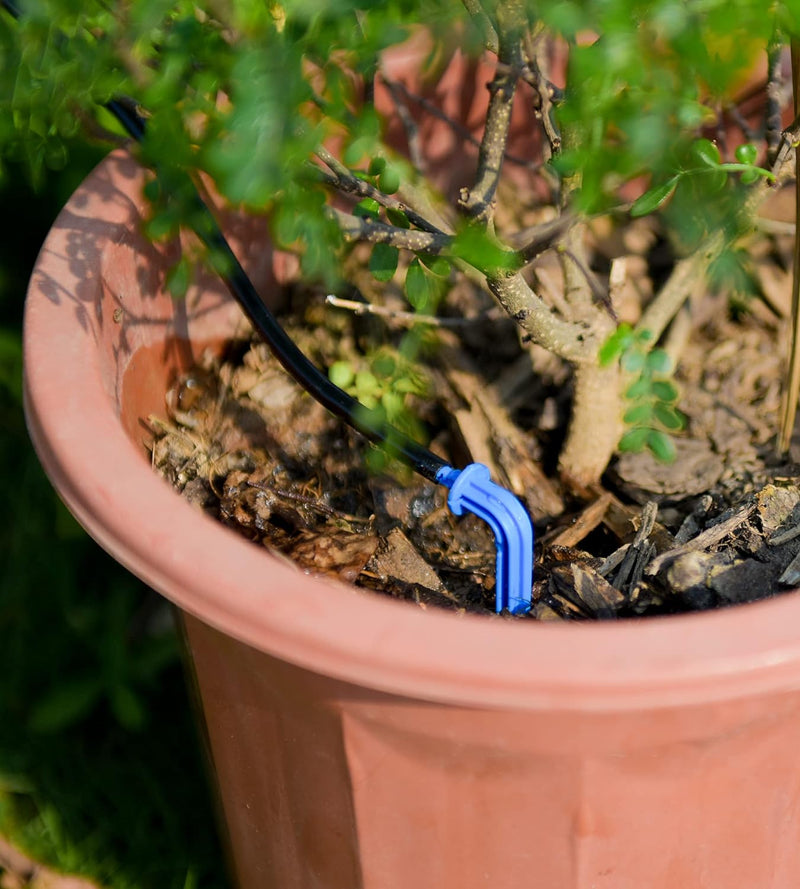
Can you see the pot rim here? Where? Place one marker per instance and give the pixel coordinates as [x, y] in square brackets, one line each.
[329, 627]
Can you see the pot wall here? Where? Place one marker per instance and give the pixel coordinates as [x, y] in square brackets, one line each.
[360, 743]
[333, 785]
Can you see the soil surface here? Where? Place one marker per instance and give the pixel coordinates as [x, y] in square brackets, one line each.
[717, 527]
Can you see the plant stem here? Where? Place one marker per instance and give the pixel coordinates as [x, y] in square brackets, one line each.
[572, 341]
[361, 228]
[477, 203]
[595, 424]
[792, 387]
[688, 275]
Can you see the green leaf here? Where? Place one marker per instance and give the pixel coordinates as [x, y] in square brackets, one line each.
[384, 364]
[661, 446]
[659, 362]
[368, 207]
[654, 198]
[748, 177]
[634, 440]
[341, 374]
[747, 153]
[619, 341]
[640, 388]
[664, 390]
[356, 150]
[398, 218]
[366, 386]
[714, 179]
[393, 404]
[179, 277]
[67, 704]
[436, 264]
[383, 261]
[638, 414]
[422, 290]
[668, 416]
[376, 166]
[477, 247]
[127, 707]
[162, 225]
[705, 152]
[633, 361]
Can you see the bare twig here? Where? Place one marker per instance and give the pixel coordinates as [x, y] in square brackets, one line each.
[407, 120]
[457, 127]
[407, 318]
[532, 242]
[483, 23]
[477, 202]
[688, 275]
[705, 539]
[598, 292]
[792, 387]
[773, 109]
[359, 228]
[535, 75]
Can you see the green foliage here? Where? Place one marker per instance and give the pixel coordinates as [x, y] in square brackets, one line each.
[385, 382]
[383, 261]
[87, 796]
[704, 173]
[477, 247]
[647, 84]
[651, 414]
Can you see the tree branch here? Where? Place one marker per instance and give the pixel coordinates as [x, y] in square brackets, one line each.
[407, 318]
[687, 276]
[456, 126]
[569, 340]
[535, 75]
[346, 182]
[409, 124]
[483, 23]
[361, 228]
[477, 202]
[774, 103]
[532, 242]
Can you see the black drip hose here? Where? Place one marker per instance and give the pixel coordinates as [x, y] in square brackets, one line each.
[368, 422]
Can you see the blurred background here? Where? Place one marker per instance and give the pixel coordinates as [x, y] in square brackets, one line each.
[101, 769]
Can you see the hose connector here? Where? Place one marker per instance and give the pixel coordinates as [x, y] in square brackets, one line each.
[472, 490]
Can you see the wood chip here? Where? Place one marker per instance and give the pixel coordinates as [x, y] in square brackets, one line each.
[601, 597]
[397, 558]
[584, 523]
[791, 574]
[705, 539]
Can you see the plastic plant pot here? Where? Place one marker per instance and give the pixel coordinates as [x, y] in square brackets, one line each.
[358, 742]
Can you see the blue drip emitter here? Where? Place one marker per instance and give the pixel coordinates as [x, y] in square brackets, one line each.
[472, 490]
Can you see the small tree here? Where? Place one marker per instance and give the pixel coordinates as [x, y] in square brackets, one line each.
[254, 94]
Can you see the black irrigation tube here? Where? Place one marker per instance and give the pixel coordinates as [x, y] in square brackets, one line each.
[369, 422]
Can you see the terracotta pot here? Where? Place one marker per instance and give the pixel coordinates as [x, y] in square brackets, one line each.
[361, 743]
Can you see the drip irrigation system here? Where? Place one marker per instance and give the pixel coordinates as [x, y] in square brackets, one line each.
[469, 490]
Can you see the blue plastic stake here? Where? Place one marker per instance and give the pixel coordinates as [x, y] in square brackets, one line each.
[472, 490]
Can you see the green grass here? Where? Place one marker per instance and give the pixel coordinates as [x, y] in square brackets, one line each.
[100, 767]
